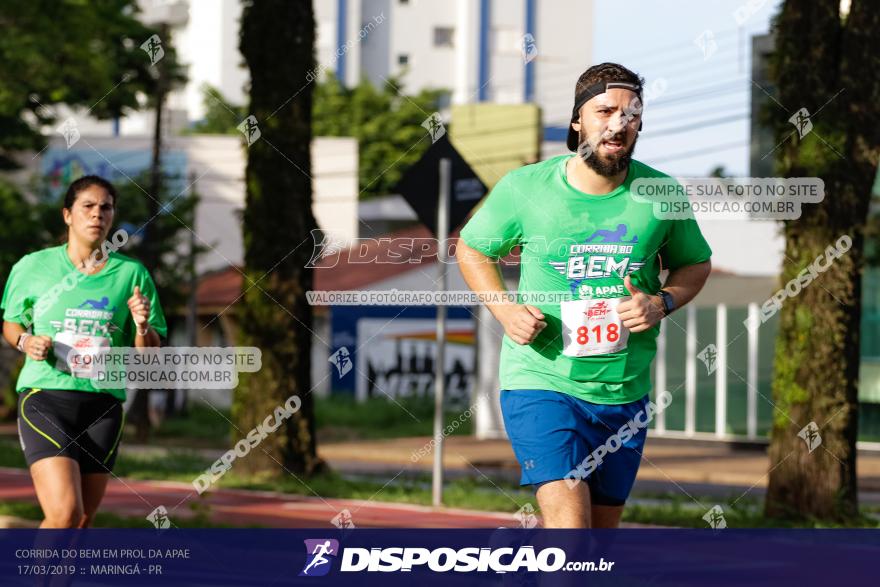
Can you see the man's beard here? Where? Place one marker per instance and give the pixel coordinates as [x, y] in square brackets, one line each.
[605, 166]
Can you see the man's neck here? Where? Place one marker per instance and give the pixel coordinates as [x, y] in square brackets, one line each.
[585, 179]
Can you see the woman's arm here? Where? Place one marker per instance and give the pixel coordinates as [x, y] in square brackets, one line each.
[36, 346]
[11, 332]
[145, 335]
[150, 339]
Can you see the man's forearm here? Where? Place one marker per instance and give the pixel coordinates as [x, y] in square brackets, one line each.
[483, 275]
[686, 282]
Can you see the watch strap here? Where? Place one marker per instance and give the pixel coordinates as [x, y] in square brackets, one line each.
[668, 302]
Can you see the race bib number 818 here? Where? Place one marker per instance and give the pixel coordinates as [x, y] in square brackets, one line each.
[592, 327]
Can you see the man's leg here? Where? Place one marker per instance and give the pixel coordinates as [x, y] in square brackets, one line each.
[611, 482]
[563, 506]
[543, 428]
[606, 516]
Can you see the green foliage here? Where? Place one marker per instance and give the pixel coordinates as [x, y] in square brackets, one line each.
[221, 116]
[342, 418]
[385, 121]
[80, 54]
[23, 231]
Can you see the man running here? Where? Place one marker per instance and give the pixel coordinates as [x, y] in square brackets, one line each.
[575, 370]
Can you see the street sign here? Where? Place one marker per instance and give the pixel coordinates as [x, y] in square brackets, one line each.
[419, 185]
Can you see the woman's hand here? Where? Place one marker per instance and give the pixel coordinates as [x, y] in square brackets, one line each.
[139, 306]
[37, 347]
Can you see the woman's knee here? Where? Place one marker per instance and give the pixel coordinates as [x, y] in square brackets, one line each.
[64, 516]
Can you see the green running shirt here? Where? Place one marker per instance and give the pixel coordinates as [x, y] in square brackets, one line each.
[580, 247]
[75, 310]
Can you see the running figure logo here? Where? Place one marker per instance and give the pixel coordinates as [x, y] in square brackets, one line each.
[250, 128]
[434, 125]
[715, 518]
[69, 130]
[97, 304]
[611, 236]
[810, 435]
[709, 355]
[801, 121]
[317, 561]
[341, 359]
[159, 518]
[153, 48]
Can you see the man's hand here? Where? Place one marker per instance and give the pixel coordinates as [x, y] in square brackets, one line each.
[642, 311]
[139, 306]
[37, 347]
[522, 323]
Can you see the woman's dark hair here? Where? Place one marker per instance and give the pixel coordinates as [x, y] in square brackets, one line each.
[84, 183]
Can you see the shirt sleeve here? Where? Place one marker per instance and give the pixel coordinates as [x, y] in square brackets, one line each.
[684, 245]
[148, 290]
[17, 303]
[495, 228]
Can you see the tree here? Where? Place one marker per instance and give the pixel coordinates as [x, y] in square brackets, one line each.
[221, 116]
[16, 240]
[78, 54]
[821, 63]
[276, 41]
[385, 121]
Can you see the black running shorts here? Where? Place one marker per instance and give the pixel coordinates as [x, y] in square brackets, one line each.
[84, 426]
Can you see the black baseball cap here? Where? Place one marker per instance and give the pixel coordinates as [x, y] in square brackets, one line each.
[585, 94]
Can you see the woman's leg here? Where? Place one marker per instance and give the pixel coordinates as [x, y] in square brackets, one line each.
[93, 487]
[57, 483]
[103, 419]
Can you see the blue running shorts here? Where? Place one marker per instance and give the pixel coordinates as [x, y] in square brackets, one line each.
[557, 436]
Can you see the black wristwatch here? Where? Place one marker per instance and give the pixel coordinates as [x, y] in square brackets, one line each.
[668, 302]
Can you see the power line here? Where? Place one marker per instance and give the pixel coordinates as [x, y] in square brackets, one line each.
[678, 46]
[551, 84]
[696, 126]
[699, 152]
[670, 116]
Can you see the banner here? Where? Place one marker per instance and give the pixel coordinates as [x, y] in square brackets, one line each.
[437, 557]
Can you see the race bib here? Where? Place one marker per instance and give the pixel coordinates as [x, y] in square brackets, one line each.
[592, 327]
[80, 354]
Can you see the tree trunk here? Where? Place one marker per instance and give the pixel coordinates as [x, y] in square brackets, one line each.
[277, 39]
[139, 412]
[816, 368]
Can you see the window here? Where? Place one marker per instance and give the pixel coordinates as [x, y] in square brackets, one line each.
[444, 36]
[403, 59]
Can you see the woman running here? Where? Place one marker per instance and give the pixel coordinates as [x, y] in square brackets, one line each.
[62, 305]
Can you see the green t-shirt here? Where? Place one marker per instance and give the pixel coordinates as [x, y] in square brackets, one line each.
[76, 311]
[580, 247]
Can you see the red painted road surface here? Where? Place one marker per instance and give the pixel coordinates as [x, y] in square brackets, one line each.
[127, 497]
